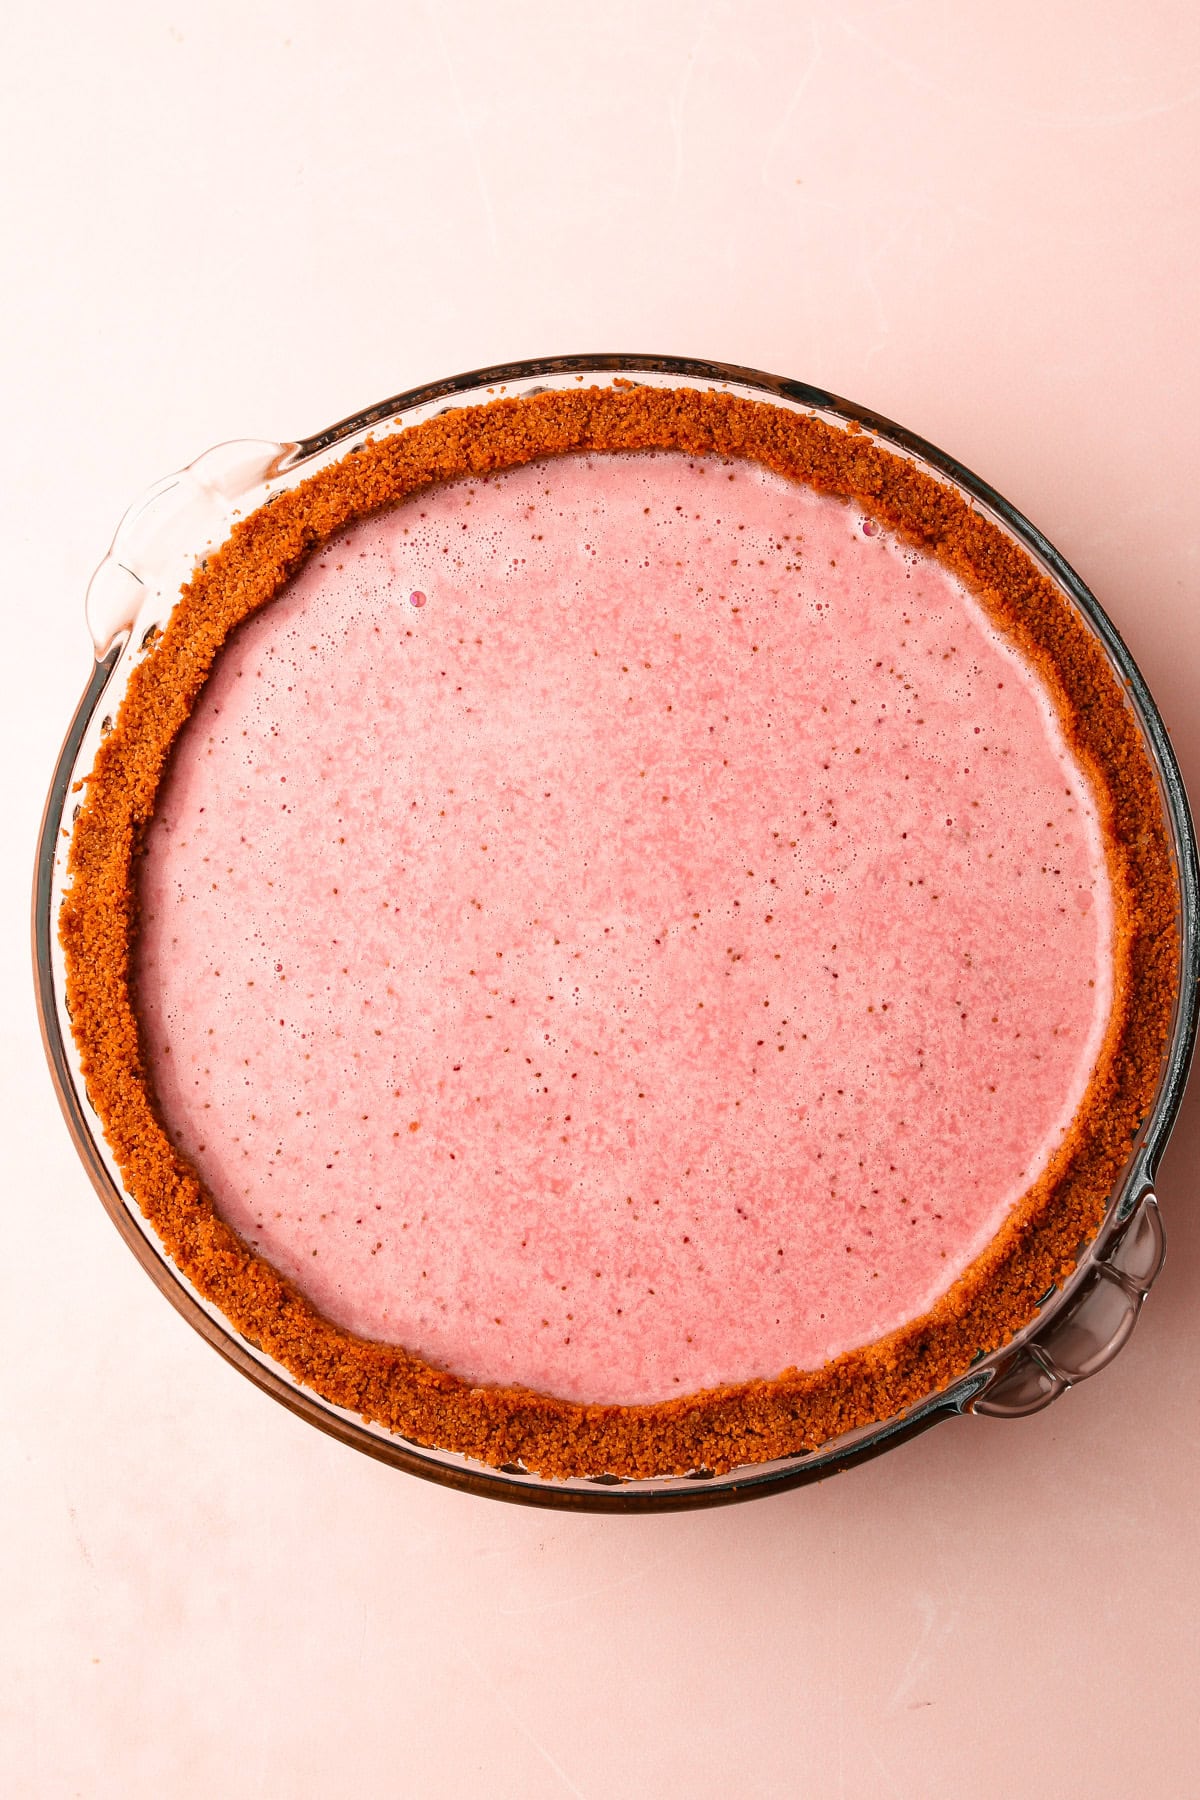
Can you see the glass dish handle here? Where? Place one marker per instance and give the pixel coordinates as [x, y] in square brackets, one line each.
[158, 540]
[1096, 1323]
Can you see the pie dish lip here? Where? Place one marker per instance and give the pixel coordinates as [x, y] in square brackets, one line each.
[294, 462]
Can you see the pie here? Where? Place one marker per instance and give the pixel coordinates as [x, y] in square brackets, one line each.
[622, 931]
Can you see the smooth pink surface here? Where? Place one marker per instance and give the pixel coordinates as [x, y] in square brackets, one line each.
[232, 220]
[622, 927]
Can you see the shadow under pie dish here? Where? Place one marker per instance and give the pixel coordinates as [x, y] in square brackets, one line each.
[623, 924]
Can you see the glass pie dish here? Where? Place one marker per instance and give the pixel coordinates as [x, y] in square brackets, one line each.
[1078, 1326]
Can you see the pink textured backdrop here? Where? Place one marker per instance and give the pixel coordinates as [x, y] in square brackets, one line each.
[223, 221]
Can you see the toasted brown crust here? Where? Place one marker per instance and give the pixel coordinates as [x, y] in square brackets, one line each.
[723, 1427]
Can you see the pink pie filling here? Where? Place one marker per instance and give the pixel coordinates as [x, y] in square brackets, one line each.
[622, 927]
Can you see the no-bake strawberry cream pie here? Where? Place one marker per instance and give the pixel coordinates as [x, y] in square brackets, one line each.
[621, 931]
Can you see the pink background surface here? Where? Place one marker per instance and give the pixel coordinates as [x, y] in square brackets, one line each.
[978, 220]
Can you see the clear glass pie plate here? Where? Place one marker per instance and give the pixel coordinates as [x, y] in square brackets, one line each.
[1079, 1326]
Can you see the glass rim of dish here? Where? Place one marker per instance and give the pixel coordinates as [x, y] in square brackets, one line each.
[1078, 1326]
